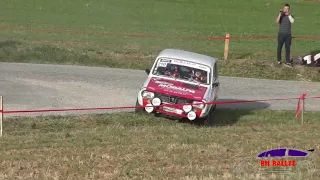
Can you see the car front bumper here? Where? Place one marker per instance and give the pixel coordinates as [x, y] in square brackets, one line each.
[173, 110]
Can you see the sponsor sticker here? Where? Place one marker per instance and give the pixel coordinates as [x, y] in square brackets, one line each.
[203, 67]
[190, 64]
[162, 82]
[162, 64]
[165, 60]
[183, 62]
[176, 88]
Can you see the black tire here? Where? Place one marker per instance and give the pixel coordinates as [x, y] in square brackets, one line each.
[209, 119]
[214, 107]
[138, 110]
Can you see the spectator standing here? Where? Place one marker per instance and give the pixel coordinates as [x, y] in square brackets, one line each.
[284, 19]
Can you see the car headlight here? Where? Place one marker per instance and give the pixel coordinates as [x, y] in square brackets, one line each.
[156, 102]
[147, 94]
[187, 108]
[197, 104]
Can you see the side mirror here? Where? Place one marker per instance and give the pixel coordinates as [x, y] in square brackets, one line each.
[147, 71]
[215, 84]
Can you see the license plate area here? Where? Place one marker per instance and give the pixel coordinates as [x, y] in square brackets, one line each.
[171, 109]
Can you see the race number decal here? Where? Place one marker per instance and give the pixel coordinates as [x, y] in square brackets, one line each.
[162, 64]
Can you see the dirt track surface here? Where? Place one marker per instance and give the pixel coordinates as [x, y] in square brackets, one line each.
[35, 86]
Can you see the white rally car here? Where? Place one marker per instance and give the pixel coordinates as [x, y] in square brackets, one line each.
[179, 84]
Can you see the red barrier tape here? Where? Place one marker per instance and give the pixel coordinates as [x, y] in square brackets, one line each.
[148, 35]
[60, 110]
[127, 107]
[303, 96]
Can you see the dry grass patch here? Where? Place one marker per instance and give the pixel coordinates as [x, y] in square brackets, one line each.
[127, 146]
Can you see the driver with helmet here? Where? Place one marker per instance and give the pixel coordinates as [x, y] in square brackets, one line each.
[198, 75]
[172, 71]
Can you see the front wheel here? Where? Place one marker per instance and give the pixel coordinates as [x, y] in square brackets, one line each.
[209, 119]
[138, 110]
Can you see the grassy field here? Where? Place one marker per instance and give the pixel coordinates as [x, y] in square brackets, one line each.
[127, 146]
[90, 33]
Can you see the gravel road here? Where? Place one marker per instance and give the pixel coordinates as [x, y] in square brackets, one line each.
[37, 86]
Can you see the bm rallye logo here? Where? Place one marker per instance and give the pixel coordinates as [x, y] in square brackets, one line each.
[281, 153]
[280, 162]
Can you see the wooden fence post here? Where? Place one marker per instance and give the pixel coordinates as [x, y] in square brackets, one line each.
[302, 112]
[226, 46]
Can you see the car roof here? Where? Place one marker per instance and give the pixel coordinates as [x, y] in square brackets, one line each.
[188, 56]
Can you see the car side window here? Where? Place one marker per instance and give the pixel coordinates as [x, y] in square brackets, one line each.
[215, 73]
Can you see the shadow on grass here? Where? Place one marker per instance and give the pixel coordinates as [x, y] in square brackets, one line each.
[243, 56]
[229, 114]
[8, 43]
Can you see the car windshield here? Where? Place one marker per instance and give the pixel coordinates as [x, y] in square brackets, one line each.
[184, 70]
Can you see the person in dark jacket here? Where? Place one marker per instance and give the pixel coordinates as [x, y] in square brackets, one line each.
[284, 19]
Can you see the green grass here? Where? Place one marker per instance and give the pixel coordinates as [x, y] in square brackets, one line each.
[78, 33]
[128, 146]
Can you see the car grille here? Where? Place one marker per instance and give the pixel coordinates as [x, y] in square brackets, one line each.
[173, 99]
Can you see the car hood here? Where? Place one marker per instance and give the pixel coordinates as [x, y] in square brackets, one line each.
[176, 88]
